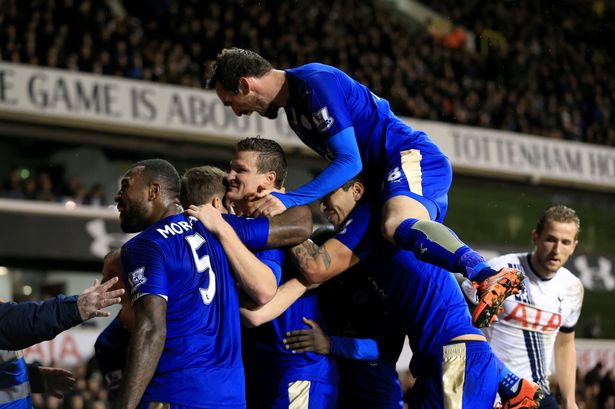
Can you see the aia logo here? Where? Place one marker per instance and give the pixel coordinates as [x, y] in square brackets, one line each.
[529, 317]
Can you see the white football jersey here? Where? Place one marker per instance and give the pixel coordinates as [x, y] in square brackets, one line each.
[524, 336]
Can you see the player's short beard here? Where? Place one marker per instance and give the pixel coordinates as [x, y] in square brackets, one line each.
[133, 220]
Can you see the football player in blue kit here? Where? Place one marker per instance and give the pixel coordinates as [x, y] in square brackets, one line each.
[365, 338]
[276, 377]
[185, 347]
[452, 361]
[343, 121]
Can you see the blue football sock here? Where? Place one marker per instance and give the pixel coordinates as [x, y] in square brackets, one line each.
[508, 382]
[436, 244]
[476, 268]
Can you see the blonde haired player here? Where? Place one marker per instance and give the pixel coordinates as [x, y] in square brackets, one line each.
[536, 326]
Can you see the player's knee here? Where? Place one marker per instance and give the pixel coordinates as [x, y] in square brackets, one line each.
[389, 227]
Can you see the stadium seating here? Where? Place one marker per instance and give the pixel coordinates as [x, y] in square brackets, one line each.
[548, 76]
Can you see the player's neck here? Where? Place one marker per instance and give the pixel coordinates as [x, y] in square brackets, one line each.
[171, 209]
[279, 86]
[240, 208]
[542, 273]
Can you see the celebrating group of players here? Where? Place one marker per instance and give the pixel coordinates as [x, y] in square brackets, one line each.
[195, 271]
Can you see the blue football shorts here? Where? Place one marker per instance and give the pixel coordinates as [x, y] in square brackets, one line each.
[421, 172]
[467, 379]
[299, 395]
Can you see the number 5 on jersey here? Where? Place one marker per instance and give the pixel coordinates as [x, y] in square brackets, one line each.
[202, 264]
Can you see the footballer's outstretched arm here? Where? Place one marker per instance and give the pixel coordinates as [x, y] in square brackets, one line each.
[345, 165]
[290, 228]
[287, 229]
[144, 350]
[254, 277]
[287, 294]
[320, 263]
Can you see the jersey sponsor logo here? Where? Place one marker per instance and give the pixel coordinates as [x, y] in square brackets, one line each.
[528, 317]
[137, 278]
[323, 120]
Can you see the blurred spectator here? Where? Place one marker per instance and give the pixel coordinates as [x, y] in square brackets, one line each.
[45, 188]
[95, 196]
[29, 189]
[594, 375]
[74, 401]
[11, 188]
[41, 188]
[592, 328]
[606, 396]
[73, 191]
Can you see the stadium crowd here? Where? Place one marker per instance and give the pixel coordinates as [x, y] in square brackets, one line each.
[44, 188]
[548, 73]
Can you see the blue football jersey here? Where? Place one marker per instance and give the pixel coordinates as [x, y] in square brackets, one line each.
[353, 309]
[324, 101]
[425, 298]
[179, 260]
[269, 365]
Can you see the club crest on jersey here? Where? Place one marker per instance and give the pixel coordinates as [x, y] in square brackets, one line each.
[137, 278]
[322, 119]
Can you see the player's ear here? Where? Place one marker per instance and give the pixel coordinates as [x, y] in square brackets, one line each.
[244, 85]
[535, 236]
[154, 191]
[271, 176]
[216, 202]
[357, 191]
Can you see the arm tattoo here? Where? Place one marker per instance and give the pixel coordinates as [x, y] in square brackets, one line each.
[308, 252]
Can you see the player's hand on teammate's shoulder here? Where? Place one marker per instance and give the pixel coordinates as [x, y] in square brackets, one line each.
[264, 203]
[208, 215]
